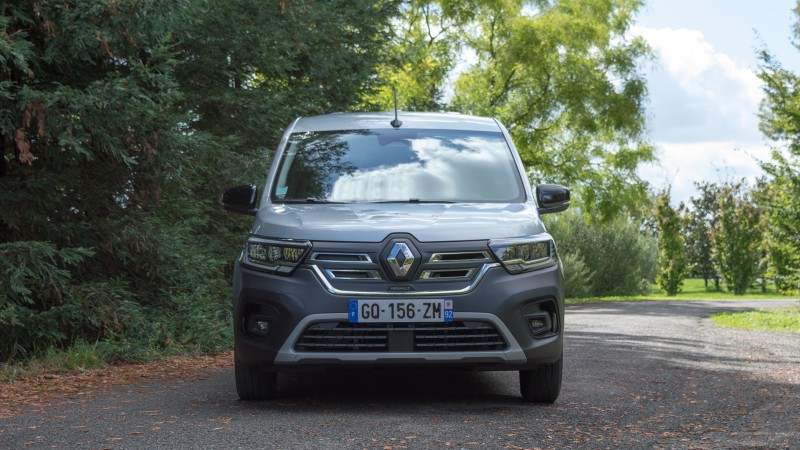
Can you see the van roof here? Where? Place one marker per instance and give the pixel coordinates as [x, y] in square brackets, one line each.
[378, 120]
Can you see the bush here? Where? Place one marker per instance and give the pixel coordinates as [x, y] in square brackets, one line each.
[672, 267]
[577, 276]
[599, 260]
[37, 305]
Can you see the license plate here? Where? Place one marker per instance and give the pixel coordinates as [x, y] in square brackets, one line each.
[400, 311]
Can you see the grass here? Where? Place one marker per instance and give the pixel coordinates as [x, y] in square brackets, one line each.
[776, 319]
[79, 358]
[693, 289]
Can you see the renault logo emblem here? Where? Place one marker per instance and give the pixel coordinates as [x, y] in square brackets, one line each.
[400, 259]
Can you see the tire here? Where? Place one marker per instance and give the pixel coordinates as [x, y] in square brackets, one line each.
[542, 384]
[254, 384]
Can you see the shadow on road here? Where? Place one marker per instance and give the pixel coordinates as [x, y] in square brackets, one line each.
[397, 387]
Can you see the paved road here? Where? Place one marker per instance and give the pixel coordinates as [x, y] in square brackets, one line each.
[637, 375]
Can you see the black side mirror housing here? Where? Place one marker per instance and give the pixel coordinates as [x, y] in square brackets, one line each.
[552, 198]
[241, 199]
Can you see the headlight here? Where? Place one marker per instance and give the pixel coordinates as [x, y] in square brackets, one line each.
[525, 254]
[275, 256]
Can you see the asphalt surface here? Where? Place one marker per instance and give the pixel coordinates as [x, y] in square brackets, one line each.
[636, 375]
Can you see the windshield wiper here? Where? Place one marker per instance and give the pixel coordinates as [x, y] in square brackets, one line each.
[306, 200]
[414, 200]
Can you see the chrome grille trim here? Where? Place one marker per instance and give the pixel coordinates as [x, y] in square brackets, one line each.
[469, 288]
[459, 257]
[432, 274]
[342, 274]
[332, 257]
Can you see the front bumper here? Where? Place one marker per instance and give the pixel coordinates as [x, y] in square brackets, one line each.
[290, 305]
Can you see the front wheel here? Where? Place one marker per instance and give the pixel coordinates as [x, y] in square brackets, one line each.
[542, 384]
[254, 384]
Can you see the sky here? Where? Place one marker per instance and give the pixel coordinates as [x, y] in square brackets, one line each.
[703, 89]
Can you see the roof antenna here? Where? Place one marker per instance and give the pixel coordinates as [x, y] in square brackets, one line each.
[396, 123]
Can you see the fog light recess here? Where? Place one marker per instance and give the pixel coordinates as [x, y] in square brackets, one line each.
[539, 323]
[259, 325]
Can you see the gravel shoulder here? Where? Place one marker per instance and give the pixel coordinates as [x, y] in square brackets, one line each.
[637, 375]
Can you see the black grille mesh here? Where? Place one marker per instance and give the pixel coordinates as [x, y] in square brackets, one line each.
[427, 337]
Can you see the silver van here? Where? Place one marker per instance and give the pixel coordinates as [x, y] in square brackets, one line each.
[398, 243]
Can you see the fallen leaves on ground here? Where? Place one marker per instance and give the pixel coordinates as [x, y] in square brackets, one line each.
[41, 390]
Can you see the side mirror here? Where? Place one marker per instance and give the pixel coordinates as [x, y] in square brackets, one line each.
[552, 198]
[241, 199]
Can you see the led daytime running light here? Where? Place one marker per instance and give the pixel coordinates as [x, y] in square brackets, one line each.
[274, 255]
[525, 254]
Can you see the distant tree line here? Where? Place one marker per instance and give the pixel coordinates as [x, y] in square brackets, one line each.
[737, 233]
[720, 237]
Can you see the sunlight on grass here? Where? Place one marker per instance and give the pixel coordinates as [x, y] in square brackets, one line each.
[692, 289]
[777, 319]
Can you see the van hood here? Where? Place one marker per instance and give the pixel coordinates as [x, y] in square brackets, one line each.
[372, 222]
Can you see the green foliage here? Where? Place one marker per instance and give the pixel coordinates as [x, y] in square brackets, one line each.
[564, 77]
[33, 309]
[736, 236]
[699, 221]
[577, 275]
[672, 266]
[122, 123]
[43, 306]
[780, 121]
[249, 67]
[782, 218]
[603, 259]
[88, 151]
[421, 56]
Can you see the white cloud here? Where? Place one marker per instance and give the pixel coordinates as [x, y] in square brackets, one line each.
[710, 80]
[442, 170]
[683, 164]
[688, 56]
[704, 107]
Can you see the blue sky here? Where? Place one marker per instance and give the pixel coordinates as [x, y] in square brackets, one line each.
[704, 93]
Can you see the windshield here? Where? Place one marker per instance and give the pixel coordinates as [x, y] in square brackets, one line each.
[397, 166]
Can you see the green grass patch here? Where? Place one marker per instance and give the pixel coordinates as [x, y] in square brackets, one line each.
[80, 357]
[775, 319]
[692, 289]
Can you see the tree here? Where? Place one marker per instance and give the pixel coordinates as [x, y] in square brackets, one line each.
[89, 157]
[121, 123]
[421, 55]
[780, 122]
[672, 266]
[562, 75]
[248, 68]
[698, 225]
[736, 236]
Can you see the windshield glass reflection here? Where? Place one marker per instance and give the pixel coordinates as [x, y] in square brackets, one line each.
[397, 165]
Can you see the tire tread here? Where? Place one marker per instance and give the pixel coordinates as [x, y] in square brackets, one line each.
[252, 384]
[542, 384]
